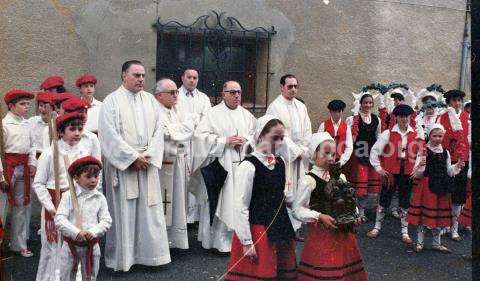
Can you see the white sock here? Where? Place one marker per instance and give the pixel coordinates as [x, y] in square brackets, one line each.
[420, 235]
[403, 220]
[436, 237]
[379, 216]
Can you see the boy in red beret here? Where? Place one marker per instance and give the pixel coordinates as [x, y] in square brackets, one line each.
[58, 99]
[76, 104]
[39, 123]
[86, 85]
[69, 127]
[89, 206]
[20, 166]
[88, 139]
[53, 84]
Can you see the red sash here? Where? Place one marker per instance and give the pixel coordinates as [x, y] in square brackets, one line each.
[13, 160]
[89, 244]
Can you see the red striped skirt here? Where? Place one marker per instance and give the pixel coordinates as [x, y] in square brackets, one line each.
[274, 262]
[331, 255]
[427, 208]
[364, 177]
[465, 218]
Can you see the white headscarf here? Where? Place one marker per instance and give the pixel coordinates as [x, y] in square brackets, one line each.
[261, 123]
[316, 140]
[434, 126]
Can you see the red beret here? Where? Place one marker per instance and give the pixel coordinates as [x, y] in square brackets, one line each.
[51, 82]
[61, 97]
[76, 103]
[45, 97]
[86, 78]
[15, 94]
[87, 160]
[69, 116]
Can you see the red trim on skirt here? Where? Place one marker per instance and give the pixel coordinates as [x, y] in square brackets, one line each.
[364, 177]
[427, 208]
[331, 255]
[274, 262]
[465, 218]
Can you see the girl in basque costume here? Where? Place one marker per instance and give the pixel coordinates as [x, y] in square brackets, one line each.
[263, 246]
[331, 252]
[431, 201]
[365, 128]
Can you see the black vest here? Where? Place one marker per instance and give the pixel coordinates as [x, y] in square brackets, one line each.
[318, 199]
[267, 194]
[367, 133]
[439, 182]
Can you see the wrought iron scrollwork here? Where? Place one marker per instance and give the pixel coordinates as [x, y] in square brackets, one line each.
[217, 21]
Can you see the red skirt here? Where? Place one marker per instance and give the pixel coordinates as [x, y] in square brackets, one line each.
[274, 262]
[364, 177]
[331, 255]
[427, 208]
[465, 218]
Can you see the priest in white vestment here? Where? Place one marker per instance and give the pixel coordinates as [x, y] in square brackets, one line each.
[298, 129]
[178, 130]
[131, 138]
[196, 103]
[221, 134]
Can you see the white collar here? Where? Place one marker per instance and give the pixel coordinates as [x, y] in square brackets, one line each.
[67, 147]
[185, 90]
[132, 94]
[263, 158]
[436, 149]
[12, 117]
[338, 123]
[396, 128]
[228, 108]
[292, 101]
[321, 173]
[80, 190]
[369, 114]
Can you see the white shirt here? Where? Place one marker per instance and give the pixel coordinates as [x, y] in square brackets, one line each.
[367, 119]
[452, 170]
[301, 203]
[93, 113]
[382, 141]
[88, 140]
[197, 104]
[94, 213]
[244, 176]
[17, 138]
[37, 126]
[348, 140]
[44, 178]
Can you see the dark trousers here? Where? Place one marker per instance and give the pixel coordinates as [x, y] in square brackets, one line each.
[401, 182]
[459, 193]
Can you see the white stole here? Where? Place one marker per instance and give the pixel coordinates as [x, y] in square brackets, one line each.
[128, 130]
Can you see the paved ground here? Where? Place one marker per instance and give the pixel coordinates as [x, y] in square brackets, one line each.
[386, 258]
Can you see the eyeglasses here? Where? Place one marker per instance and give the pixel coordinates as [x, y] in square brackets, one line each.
[171, 92]
[233, 92]
[292, 86]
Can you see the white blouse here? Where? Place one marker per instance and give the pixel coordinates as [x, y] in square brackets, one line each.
[244, 176]
[452, 170]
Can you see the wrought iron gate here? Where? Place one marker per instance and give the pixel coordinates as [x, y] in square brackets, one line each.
[221, 49]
